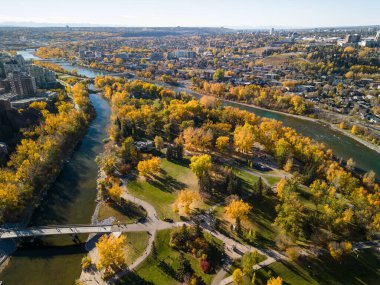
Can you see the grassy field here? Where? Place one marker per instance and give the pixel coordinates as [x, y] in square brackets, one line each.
[162, 271]
[285, 58]
[137, 242]
[355, 269]
[129, 214]
[363, 269]
[162, 190]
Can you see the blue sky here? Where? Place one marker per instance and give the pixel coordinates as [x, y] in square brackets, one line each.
[227, 13]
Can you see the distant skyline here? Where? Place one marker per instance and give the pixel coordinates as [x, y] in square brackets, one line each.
[195, 13]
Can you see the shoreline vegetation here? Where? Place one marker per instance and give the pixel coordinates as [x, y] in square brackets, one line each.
[304, 112]
[318, 121]
[39, 158]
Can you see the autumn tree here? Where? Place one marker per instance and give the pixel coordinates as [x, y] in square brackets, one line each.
[111, 251]
[338, 250]
[282, 151]
[115, 192]
[275, 281]
[222, 143]
[237, 276]
[237, 209]
[201, 165]
[244, 138]
[197, 138]
[354, 130]
[149, 167]
[86, 262]
[288, 165]
[186, 201]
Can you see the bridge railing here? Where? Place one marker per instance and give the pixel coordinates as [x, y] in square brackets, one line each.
[55, 226]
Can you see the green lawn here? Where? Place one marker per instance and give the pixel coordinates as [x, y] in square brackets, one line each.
[129, 214]
[361, 269]
[162, 271]
[248, 180]
[162, 190]
[137, 242]
[272, 180]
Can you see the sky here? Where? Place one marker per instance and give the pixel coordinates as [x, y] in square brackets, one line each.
[210, 13]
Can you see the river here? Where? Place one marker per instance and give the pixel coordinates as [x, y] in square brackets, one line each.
[71, 200]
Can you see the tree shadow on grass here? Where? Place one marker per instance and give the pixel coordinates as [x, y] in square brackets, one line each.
[128, 209]
[166, 183]
[133, 279]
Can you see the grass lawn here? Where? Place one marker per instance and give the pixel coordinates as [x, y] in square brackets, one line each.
[129, 214]
[137, 242]
[361, 269]
[162, 271]
[162, 190]
[248, 180]
[272, 180]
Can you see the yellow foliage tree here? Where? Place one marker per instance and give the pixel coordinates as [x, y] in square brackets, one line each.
[149, 167]
[338, 250]
[237, 276]
[280, 187]
[111, 252]
[200, 165]
[354, 130]
[115, 192]
[222, 143]
[275, 281]
[244, 138]
[288, 165]
[237, 209]
[186, 201]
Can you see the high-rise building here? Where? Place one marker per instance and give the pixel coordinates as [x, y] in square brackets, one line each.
[352, 38]
[378, 36]
[42, 76]
[271, 32]
[22, 84]
[185, 54]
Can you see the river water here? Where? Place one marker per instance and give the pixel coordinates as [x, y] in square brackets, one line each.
[71, 198]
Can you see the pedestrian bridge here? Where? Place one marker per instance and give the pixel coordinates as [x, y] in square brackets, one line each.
[70, 230]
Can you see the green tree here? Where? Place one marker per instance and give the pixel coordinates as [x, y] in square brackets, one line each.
[218, 75]
[159, 143]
